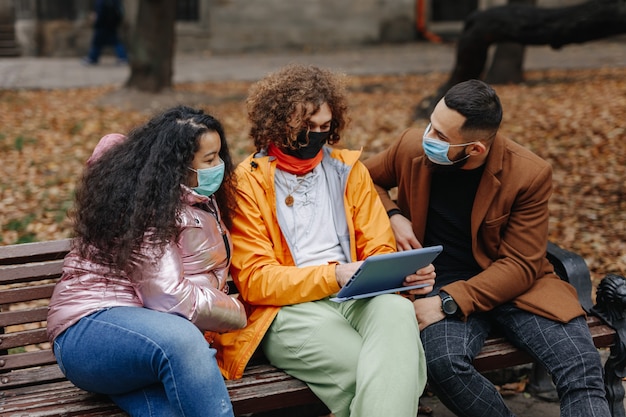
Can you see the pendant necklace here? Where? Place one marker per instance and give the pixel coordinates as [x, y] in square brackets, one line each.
[289, 199]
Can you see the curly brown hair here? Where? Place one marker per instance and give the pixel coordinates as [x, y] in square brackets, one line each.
[134, 187]
[291, 96]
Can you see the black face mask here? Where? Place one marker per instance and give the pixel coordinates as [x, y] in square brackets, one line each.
[308, 150]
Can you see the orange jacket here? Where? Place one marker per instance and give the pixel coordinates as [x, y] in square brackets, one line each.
[509, 225]
[262, 266]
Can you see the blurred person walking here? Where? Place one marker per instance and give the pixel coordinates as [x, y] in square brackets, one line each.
[107, 18]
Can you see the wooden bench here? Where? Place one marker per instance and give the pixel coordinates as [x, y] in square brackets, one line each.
[32, 384]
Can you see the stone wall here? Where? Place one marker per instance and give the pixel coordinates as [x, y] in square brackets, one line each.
[314, 24]
[231, 26]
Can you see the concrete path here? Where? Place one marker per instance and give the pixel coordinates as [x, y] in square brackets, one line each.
[414, 57]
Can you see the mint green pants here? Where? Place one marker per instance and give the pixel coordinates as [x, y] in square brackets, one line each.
[361, 358]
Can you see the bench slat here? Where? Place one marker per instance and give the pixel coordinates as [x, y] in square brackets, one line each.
[26, 360]
[264, 397]
[32, 315]
[23, 338]
[57, 399]
[261, 388]
[501, 355]
[34, 252]
[603, 336]
[497, 353]
[13, 274]
[30, 293]
[31, 377]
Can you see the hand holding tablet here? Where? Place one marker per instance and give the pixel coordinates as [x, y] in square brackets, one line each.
[383, 274]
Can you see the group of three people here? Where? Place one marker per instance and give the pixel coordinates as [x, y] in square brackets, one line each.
[162, 216]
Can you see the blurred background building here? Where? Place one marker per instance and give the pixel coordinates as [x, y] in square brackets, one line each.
[62, 27]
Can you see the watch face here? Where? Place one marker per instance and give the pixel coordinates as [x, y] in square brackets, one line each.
[449, 306]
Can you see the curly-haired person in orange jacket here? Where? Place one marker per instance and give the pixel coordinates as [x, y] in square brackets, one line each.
[307, 215]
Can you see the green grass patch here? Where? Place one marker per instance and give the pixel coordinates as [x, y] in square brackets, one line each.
[19, 225]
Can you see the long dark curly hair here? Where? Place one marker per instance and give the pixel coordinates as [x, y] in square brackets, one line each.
[135, 187]
[293, 94]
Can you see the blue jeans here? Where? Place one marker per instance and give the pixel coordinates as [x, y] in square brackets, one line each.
[103, 37]
[566, 350]
[149, 363]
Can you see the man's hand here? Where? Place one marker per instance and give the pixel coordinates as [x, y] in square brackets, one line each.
[343, 272]
[428, 311]
[425, 275]
[403, 231]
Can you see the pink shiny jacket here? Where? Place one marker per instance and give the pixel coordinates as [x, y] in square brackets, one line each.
[187, 279]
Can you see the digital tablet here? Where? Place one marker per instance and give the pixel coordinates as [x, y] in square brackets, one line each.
[383, 274]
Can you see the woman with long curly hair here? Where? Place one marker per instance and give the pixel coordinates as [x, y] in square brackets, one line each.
[307, 215]
[147, 272]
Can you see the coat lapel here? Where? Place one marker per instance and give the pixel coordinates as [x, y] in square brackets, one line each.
[489, 185]
[420, 198]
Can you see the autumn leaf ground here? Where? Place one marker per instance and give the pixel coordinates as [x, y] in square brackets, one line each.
[574, 119]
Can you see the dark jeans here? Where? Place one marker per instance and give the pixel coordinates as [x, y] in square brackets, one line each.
[566, 350]
[106, 37]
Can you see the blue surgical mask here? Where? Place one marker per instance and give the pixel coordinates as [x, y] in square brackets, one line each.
[209, 179]
[437, 150]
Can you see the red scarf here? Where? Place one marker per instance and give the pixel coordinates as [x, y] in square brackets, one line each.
[291, 164]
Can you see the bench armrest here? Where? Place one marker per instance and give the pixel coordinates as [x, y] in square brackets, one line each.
[572, 268]
[610, 307]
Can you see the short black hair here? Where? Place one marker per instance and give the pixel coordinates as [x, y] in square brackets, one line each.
[478, 103]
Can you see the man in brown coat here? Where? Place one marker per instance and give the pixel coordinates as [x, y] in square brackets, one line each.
[485, 199]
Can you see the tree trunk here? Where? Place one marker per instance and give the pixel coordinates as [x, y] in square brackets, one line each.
[508, 60]
[152, 46]
[527, 25]
[507, 64]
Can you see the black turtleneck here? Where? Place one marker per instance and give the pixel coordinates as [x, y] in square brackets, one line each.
[449, 223]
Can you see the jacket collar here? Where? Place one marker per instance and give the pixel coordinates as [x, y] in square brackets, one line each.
[190, 197]
[487, 190]
[342, 159]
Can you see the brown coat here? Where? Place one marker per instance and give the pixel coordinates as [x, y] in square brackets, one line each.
[509, 225]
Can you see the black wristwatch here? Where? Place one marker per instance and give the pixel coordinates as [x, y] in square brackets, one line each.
[448, 305]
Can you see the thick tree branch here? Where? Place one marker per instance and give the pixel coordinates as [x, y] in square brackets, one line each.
[527, 25]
